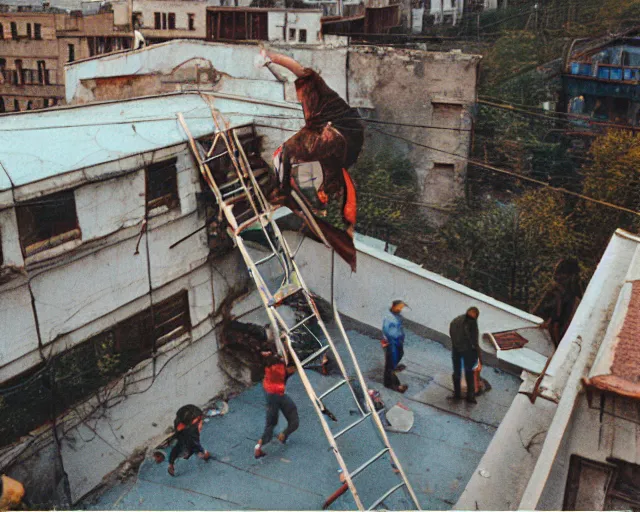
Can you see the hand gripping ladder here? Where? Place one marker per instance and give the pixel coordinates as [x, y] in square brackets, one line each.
[245, 186]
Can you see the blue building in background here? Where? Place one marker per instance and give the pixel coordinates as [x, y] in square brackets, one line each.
[601, 85]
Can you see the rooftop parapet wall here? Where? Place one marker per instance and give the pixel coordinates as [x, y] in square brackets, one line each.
[381, 278]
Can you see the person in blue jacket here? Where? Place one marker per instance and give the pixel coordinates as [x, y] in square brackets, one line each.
[393, 344]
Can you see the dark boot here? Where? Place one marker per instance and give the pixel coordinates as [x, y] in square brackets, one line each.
[471, 388]
[457, 392]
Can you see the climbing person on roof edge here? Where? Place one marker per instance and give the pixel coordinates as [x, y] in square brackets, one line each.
[332, 138]
[276, 374]
[393, 344]
[465, 351]
[188, 425]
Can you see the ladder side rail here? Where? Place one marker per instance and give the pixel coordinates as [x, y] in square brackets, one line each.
[206, 174]
[261, 286]
[244, 162]
[327, 430]
[323, 327]
[223, 136]
[246, 167]
[369, 401]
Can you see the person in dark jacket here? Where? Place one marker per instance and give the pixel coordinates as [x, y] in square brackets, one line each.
[464, 351]
[187, 425]
[276, 374]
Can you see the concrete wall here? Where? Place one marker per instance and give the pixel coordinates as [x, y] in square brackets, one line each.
[281, 22]
[436, 90]
[381, 278]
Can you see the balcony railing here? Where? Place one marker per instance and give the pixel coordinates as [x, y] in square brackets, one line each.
[611, 72]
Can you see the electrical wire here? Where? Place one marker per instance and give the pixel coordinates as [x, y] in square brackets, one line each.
[516, 175]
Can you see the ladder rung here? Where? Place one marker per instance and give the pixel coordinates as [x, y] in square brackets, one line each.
[301, 322]
[234, 191]
[354, 424]
[386, 495]
[257, 174]
[332, 389]
[212, 158]
[265, 259]
[356, 472]
[315, 355]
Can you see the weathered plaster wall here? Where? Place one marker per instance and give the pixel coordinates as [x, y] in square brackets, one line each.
[435, 90]
[101, 281]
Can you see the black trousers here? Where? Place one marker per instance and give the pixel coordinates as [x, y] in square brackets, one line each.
[275, 404]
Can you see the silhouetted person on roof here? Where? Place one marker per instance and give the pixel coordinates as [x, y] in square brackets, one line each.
[464, 351]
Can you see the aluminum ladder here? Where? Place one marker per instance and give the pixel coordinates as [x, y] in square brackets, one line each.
[244, 186]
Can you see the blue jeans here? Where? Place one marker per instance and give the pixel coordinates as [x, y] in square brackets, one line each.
[468, 358]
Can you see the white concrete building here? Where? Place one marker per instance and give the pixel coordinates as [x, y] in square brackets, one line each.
[160, 20]
[91, 200]
[577, 446]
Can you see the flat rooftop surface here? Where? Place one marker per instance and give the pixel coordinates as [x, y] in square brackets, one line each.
[439, 453]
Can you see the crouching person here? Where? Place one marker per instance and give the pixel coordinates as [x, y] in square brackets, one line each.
[187, 425]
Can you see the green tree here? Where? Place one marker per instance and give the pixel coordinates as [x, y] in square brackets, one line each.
[387, 190]
[507, 251]
[612, 176]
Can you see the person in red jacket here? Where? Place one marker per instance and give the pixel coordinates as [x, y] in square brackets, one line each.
[276, 374]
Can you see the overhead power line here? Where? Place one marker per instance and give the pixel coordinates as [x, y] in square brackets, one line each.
[516, 175]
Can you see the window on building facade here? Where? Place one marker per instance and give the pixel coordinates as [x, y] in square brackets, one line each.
[302, 35]
[164, 21]
[16, 106]
[1, 31]
[292, 34]
[37, 30]
[72, 53]
[162, 185]
[45, 102]
[192, 21]
[2, 107]
[47, 222]
[80, 372]
[14, 30]
[157, 18]
[29, 34]
[19, 79]
[29, 105]
[42, 73]
[447, 115]
[172, 21]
